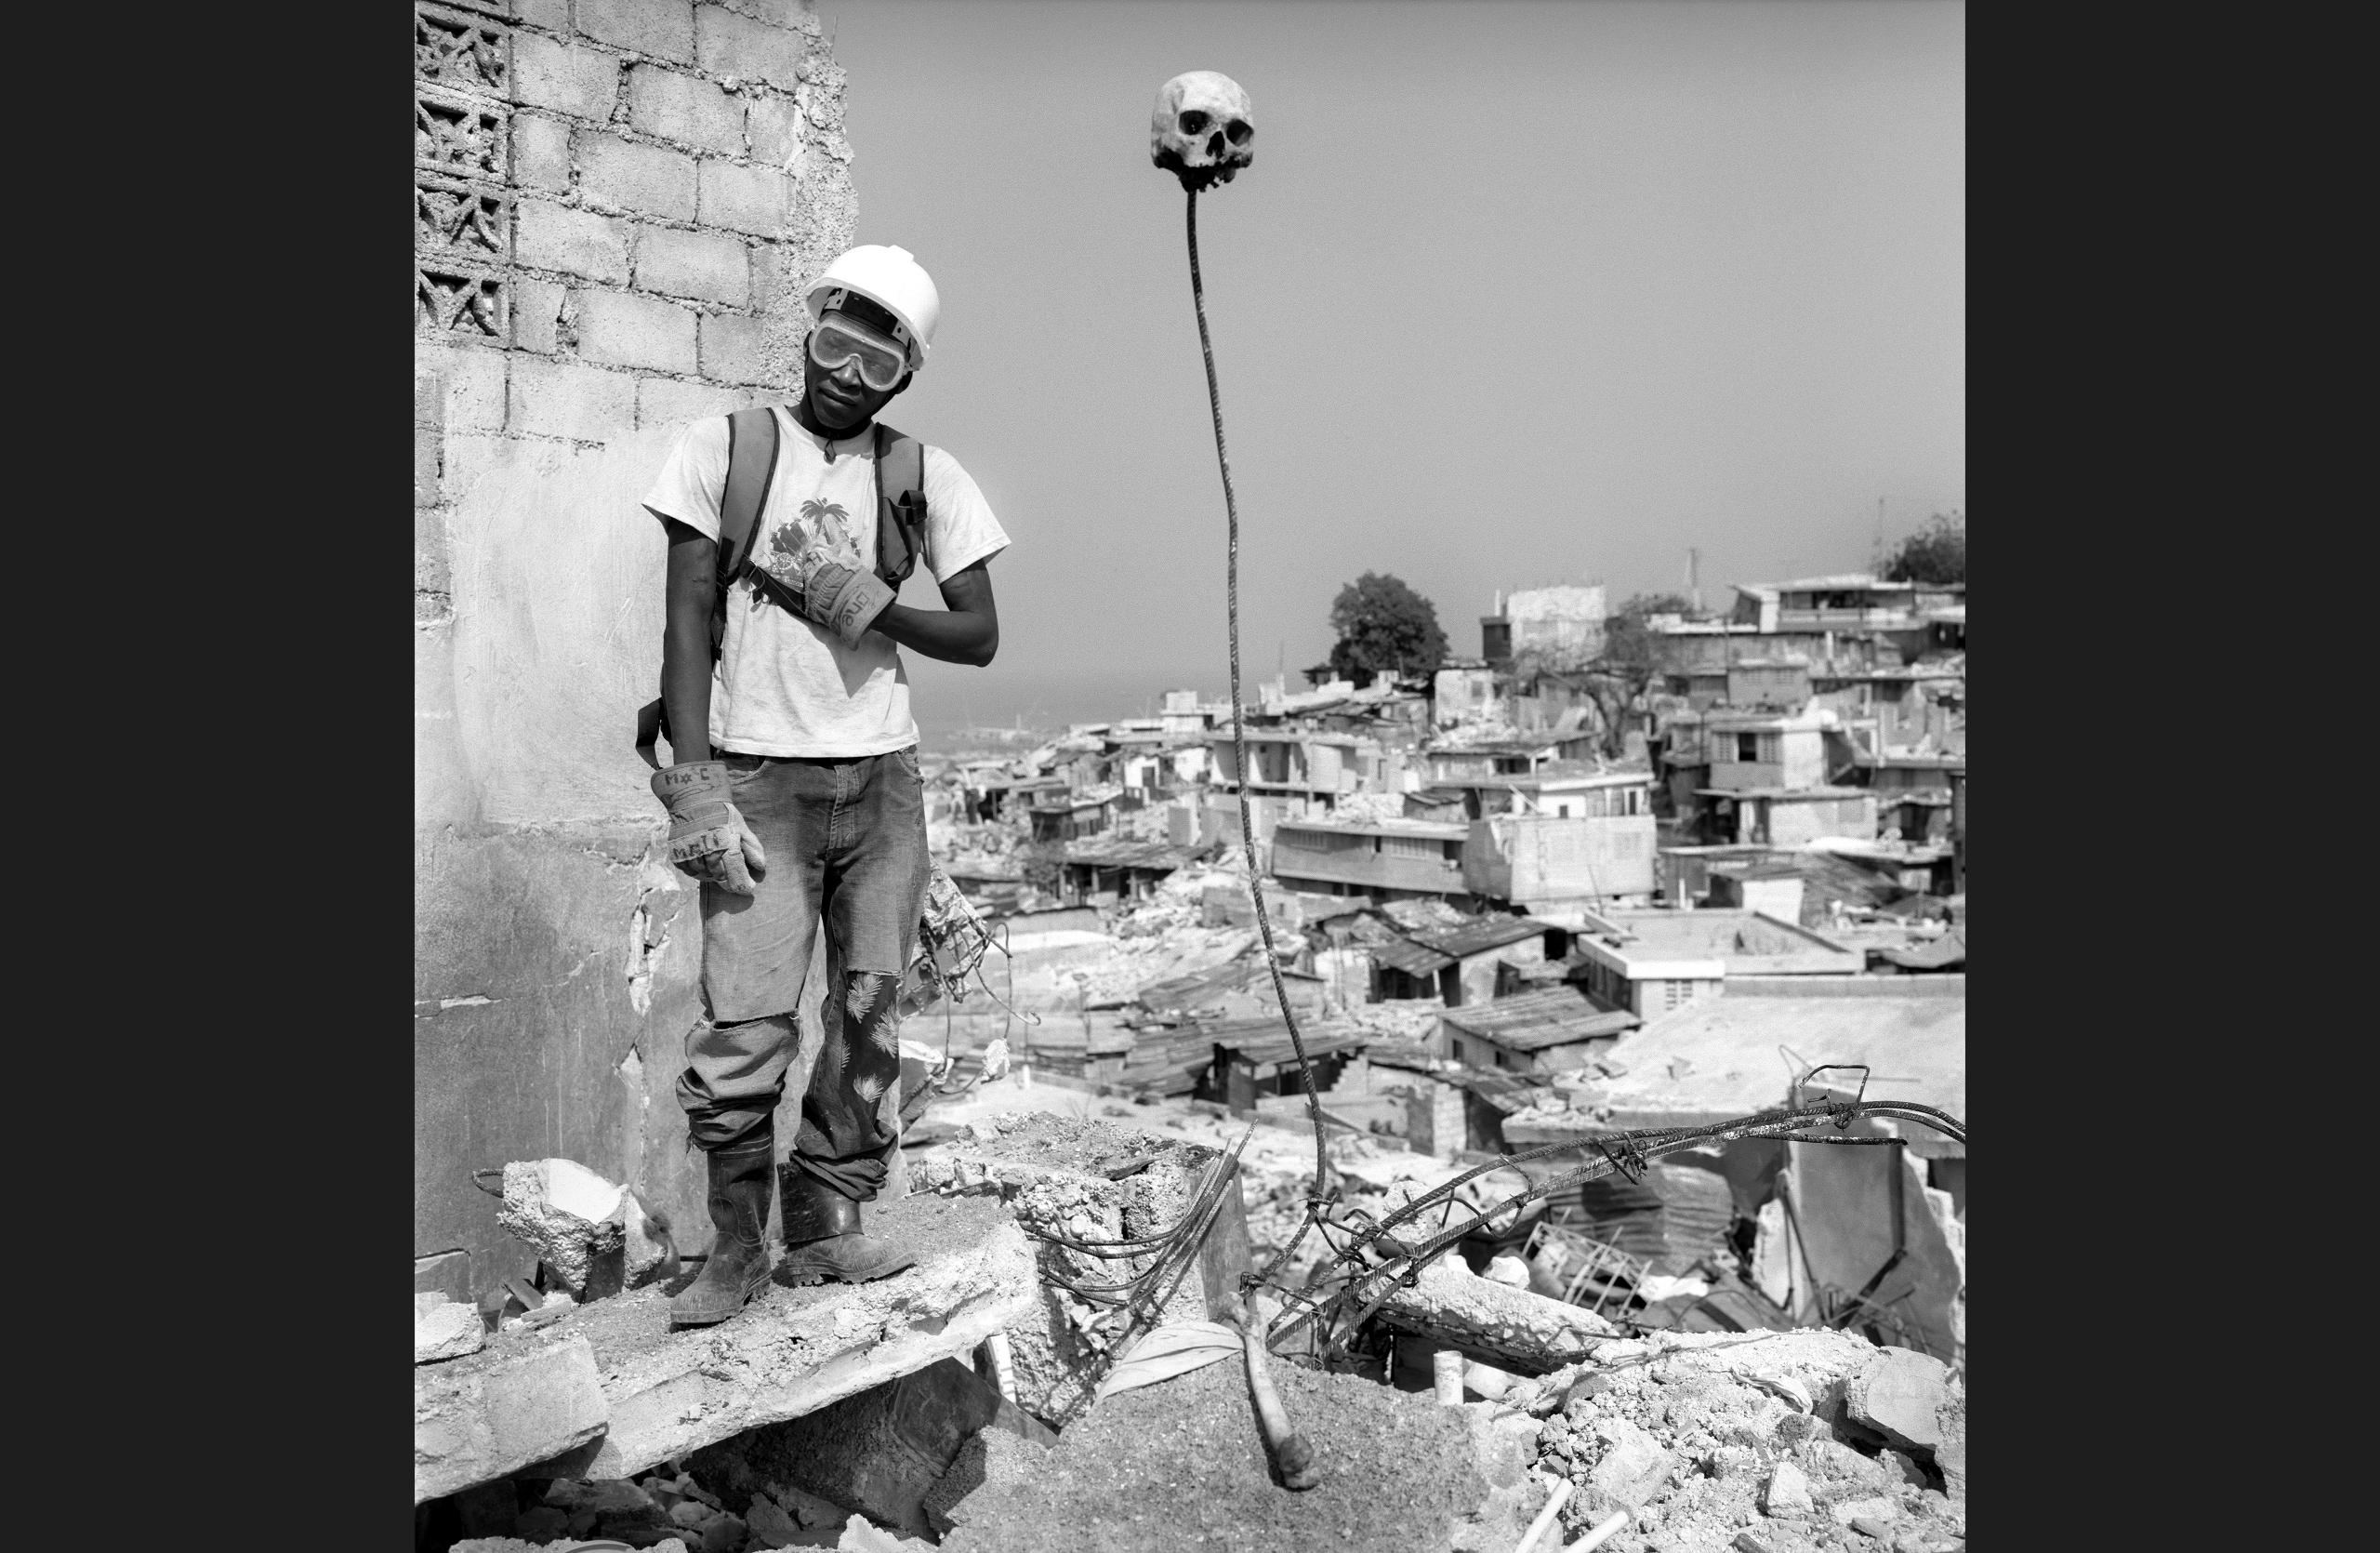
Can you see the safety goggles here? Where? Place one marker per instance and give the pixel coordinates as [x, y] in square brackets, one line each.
[838, 340]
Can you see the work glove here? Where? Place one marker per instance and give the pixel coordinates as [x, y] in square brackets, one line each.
[845, 600]
[707, 837]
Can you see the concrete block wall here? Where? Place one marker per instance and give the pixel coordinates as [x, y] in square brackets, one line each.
[616, 205]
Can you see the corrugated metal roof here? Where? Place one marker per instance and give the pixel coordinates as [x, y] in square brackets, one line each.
[1203, 986]
[1265, 1041]
[1486, 933]
[1414, 960]
[1532, 1021]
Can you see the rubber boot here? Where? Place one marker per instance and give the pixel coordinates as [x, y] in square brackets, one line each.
[822, 1234]
[739, 1265]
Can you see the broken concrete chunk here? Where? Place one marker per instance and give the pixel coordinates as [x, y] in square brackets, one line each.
[1881, 1510]
[770, 1526]
[1787, 1492]
[1902, 1396]
[1527, 1330]
[572, 1219]
[1951, 1457]
[1631, 1469]
[445, 1330]
[859, 1536]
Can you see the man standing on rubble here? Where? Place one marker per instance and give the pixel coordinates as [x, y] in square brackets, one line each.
[795, 796]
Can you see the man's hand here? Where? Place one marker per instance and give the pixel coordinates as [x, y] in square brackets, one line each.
[845, 600]
[707, 837]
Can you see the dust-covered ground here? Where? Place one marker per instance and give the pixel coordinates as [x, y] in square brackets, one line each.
[1181, 1465]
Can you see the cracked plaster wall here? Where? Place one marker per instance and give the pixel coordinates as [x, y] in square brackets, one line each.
[617, 205]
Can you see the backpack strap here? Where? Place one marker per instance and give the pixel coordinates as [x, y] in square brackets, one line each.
[900, 505]
[752, 465]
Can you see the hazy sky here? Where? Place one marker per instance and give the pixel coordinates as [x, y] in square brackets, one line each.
[1514, 293]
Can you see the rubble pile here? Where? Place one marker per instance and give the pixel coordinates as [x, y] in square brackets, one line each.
[1089, 1180]
[1181, 1465]
[672, 1512]
[1772, 1442]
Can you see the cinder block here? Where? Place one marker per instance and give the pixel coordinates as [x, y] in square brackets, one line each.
[540, 153]
[664, 28]
[776, 13]
[744, 199]
[774, 127]
[569, 399]
[636, 331]
[579, 242]
[775, 273]
[624, 175]
[428, 446]
[732, 348]
[672, 402]
[738, 47]
[687, 109]
[709, 265]
[429, 395]
[581, 82]
[535, 306]
[475, 391]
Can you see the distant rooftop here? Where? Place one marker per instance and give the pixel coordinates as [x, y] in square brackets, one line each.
[1532, 1021]
[1741, 943]
[1444, 830]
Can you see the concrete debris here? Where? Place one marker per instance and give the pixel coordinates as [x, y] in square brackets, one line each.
[573, 1218]
[1451, 1304]
[1787, 1492]
[1906, 1398]
[1050, 1172]
[445, 1329]
[1714, 1435]
[1181, 1465]
[504, 1408]
[1629, 1468]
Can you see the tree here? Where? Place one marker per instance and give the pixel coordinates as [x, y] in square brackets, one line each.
[1626, 667]
[1935, 553]
[1384, 628]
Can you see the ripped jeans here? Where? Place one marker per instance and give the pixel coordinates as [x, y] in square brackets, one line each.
[846, 840]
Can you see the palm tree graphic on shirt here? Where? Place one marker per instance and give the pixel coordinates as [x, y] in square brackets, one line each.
[820, 532]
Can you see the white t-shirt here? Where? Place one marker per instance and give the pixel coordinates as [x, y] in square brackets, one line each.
[783, 686]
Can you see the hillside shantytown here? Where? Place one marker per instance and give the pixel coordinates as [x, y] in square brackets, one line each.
[1584, 1166]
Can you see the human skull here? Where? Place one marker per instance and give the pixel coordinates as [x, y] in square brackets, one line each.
[1201, 131]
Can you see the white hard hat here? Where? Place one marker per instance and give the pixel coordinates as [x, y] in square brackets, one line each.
[894, 280]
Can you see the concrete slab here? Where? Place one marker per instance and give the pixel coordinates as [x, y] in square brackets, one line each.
[502, 1409]
[794, 1350]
